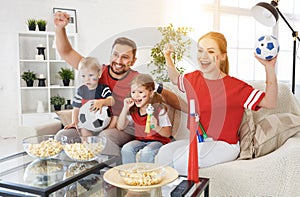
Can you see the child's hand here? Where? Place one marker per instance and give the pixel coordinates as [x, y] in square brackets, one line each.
[153, 122]
[128, 103]
[61, 19]
[168, 49]
[72, 125]
[97, 105]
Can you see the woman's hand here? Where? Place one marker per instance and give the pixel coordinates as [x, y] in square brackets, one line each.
[168, 49]
[267, 63]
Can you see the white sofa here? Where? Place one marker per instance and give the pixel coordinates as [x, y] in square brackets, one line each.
[274, 174]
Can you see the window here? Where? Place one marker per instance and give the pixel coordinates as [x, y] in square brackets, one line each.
[233, 18]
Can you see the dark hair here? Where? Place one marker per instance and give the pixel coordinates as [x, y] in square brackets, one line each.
[157, 101]
[126, 41]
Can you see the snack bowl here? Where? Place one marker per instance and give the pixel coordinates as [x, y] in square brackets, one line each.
[142, 174]
[83, 149]
[43, 147]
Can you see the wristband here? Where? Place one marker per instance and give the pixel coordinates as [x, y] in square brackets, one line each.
[159, 88]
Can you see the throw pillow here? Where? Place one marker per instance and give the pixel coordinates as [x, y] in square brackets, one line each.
[246, 133]
[273, 131]
[65, 116]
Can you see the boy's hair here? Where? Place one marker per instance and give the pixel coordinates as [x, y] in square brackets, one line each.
[127, 42]
[90, 63]
[156, 101]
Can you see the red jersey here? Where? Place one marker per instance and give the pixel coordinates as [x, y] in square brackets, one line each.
[220, 103]
[139, 129]
[120, 87]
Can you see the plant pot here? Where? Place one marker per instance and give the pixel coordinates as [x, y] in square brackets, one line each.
[29, 83]
[57, 107]
[32, 28]
[68, 105]
[42, 28]
[66, 82]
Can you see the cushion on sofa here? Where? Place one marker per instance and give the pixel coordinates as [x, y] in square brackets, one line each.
[273, 131]
[246, 133]
[65, 116]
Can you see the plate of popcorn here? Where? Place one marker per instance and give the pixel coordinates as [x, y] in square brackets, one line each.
[43, 147]
[84, 149]
[140, 176]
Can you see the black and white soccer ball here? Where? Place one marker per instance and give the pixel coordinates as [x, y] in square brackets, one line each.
[267, 47]
[93, 121]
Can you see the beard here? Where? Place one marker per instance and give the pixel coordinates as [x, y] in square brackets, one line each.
[119, 71]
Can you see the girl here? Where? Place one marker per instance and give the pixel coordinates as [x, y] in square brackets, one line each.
[134, 110]
[220, 101]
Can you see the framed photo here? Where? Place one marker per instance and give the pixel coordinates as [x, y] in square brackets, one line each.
[72, 26]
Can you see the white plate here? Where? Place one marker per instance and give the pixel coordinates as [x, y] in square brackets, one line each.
[113, 177]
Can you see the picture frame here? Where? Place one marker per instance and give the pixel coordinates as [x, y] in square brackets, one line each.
[72, 26]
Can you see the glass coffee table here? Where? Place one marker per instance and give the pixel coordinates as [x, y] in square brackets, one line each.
[22, 175]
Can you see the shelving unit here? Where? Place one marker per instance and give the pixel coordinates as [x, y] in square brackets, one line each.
[31, 96]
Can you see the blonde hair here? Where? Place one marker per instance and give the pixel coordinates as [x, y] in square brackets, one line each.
[222, 44]
[148, 82]
[90, 63]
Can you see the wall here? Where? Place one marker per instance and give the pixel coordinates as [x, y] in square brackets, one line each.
[97, 20]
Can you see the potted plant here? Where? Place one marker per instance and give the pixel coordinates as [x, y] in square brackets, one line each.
[66, 75]
[181, 47]
[29, 77]
[57, 101]
[31, 23]
[41, 24]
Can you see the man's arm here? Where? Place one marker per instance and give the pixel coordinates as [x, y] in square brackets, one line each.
[63, 45]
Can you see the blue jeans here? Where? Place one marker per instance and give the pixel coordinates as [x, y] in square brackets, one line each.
[148, 151]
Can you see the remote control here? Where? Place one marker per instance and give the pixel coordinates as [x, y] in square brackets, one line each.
[182, 189]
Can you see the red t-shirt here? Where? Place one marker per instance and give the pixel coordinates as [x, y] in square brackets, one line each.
[139, 130]
[120, 87]
[220, 103]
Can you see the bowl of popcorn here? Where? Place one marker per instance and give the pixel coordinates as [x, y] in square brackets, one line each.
[84, 149]
[142, 174]
[43, 147]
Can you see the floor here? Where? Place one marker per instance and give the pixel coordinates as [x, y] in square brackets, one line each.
[9, 146]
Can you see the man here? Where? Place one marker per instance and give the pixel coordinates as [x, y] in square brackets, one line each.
[117, 75]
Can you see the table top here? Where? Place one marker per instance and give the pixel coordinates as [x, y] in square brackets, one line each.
[24, 173]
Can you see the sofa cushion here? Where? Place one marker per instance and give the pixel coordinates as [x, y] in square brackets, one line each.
[65, 116]
[273, 131]
[246, 133]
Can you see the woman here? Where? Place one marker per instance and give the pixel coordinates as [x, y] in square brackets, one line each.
[220, 101]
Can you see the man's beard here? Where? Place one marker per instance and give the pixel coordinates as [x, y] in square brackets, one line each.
[118, 72]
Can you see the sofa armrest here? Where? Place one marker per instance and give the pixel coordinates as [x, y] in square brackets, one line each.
[48, 128]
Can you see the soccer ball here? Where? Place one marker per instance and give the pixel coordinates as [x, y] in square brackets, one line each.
[267, 47]
[93, 121]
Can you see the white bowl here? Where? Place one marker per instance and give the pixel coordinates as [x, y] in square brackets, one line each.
[142, 174]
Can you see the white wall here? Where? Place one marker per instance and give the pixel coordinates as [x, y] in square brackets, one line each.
[97, 20]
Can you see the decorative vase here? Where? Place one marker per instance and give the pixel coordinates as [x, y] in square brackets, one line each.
[40, 107]
[66, 82]
[42, 82]
[29, 83]
[41, 51]
[57, 107]
[68, 105]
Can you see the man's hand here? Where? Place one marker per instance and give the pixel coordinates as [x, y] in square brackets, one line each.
[61, 19]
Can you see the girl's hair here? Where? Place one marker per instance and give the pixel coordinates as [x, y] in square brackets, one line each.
[90, 63]
[222, 43]
[156, 101]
